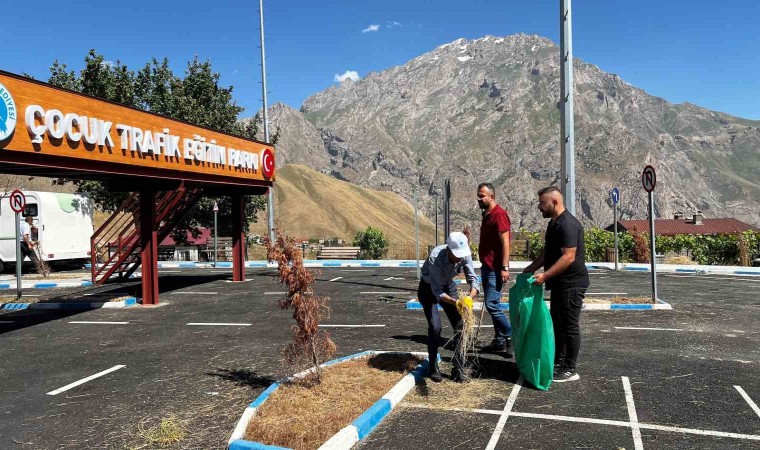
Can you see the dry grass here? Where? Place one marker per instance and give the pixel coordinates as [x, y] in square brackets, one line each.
[169, 431]
[680, 260]
[303, 417]
[449, 394]
[57, 276]
[618, 300]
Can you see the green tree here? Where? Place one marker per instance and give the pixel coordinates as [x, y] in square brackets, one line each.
[197, 98]
[372, 242]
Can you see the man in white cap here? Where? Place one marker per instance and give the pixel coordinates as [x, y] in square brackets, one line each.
[437, 287]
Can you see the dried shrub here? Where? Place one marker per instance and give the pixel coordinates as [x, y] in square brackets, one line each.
[43, 268]
[310, 345]
[640, 246]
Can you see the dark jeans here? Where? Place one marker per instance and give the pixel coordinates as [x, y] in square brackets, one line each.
[430, 306]
[566, 316]
[26, 251]
[492, 285]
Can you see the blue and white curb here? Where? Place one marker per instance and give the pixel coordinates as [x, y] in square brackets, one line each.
[353, 433]
[130, 301]
[44, 284]
[414, 304]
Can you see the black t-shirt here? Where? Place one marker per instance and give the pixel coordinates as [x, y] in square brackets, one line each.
[566, 232]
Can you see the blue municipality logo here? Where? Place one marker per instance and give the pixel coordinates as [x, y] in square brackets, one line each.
[7, 113]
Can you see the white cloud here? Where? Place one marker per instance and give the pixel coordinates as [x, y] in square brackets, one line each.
[392, 24]
[371, 28]
[348, 75]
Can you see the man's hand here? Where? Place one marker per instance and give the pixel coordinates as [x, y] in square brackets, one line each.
[539, 279]
[448, 299]
[504, 276]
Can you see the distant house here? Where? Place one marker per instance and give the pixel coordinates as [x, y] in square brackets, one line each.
[679, 224]
[169, 250]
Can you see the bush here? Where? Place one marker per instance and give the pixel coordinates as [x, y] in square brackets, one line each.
[372, 242]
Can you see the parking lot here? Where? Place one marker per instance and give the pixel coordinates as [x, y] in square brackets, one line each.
[686, 378]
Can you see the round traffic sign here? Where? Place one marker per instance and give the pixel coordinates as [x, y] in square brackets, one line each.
[18, 201]
[267, 163]
[615, 194]
[649, 178]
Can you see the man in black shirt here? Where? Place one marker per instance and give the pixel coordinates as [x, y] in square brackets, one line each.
[565, 275]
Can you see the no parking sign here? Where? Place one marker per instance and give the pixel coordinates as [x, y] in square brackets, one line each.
[18, 201]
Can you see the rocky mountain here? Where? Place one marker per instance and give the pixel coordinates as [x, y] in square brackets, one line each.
[486, 110]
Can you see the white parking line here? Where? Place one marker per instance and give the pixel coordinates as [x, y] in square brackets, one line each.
[617, 423]
[193, 292]
[752, 404]
[648, 329]
[351, 326]
[637, 443]
[274, 293]
[505, 414]
[337, 278]
[85, 380]
[99, 323]
[219, 324]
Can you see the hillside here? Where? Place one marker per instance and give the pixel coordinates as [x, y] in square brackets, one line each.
[485, 110]
[311, 204]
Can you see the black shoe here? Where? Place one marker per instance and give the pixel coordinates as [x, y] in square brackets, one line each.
[508, 348]
[460, 375]
[563, 375]
[434, 374]
[496, 346]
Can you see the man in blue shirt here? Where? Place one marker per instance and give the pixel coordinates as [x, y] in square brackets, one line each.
[437, 287]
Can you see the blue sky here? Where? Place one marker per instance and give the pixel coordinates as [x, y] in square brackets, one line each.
[706, 53]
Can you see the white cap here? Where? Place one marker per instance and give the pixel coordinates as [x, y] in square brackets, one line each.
[457, 243]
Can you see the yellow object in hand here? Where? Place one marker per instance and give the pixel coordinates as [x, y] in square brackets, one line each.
[466, 302]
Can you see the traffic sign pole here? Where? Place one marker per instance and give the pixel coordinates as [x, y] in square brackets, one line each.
[19, 257]
[616, 236]
[649, 180]
[652, 245]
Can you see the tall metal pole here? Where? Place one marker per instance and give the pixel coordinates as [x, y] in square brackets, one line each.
[216, 232]
[617, 254]
[416, 234]
[270, 195]
[19, 257]
[436, 220]
[652, 247]
[567, 127]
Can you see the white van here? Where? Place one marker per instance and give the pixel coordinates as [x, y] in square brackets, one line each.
[64, 227]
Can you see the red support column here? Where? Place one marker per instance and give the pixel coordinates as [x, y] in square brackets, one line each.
[149, 246]
[238, 238]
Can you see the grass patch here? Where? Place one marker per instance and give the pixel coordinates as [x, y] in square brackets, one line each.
[164, 434]
[302, 416]
[619, 300]
[450, 394]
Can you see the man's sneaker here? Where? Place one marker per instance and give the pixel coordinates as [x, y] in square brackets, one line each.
[508, 347]
[563, 375]
[496, 346]
[435, 375]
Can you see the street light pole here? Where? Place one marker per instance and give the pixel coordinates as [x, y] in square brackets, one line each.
[270, 194]
[567, 126]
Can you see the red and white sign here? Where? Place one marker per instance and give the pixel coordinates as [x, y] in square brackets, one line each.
[267, 163]
[18, 201]
[649, 178]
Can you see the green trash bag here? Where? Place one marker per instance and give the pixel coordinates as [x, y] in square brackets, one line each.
[532, 332]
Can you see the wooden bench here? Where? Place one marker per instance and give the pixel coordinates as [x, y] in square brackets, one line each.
[223, 249]
[519, 248]
[339, 253]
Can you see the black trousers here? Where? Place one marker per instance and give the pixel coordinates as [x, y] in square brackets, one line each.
[566, 317]
[430, 306]
[26, 251]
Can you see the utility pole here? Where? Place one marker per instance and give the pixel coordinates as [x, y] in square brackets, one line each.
[270, 194]
[567, 126]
